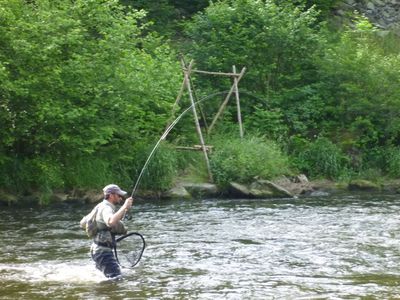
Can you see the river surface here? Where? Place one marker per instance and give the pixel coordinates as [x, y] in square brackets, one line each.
[343, 247]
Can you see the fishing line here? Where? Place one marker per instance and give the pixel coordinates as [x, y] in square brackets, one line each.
[130, 254]
[164, 135]
[171, 126]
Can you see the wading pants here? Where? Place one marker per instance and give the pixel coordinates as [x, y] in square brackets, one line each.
[106, 262]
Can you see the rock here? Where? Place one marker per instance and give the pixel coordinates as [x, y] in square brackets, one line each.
[8, 199]
[59, 197]
[297, 185]
[350, 2]
[264, 188]
[363, 185]
[92, 196]
[237, 190]
[370, 6]
[201, 190]
[284, 181]
[178, 192]
[300, 179]
[382, 13]
[340, 12]
[77, 194]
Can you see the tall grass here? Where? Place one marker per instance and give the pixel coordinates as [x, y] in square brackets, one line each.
[161, 170]
[392, 161]
[320, 158]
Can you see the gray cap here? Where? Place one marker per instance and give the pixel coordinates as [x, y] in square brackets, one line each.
[113, 189]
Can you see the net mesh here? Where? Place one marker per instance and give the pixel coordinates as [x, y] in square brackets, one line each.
[129, 249]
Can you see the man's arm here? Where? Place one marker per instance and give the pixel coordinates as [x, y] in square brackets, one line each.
[120, 213]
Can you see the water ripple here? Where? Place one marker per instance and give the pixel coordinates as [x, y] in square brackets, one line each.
[317, 248]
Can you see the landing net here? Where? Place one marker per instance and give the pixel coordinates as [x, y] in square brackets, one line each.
[129, 249]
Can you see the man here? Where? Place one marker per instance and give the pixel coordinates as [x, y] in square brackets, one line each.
[109, 224]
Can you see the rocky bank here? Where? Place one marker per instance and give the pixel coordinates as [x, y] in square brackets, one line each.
[283, 187]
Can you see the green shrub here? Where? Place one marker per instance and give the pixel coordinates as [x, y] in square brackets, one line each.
[82, 81]
[392, 159]
[89, 172]
[239, 160]
[161, 170]
[41, 174]
[320, 158]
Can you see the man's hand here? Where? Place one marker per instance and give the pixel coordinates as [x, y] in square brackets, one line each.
[128, 203]
[119, 215]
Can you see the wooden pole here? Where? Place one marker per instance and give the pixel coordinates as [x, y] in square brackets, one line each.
[178, 98]
[238, 77]
[196, 119]
[213, 73]
[184, 68]
[203, 116]
[239, 114]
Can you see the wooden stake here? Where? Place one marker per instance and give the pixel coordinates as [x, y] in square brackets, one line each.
[239, 114]
[203, 116]
[226, 100]
[214, 73]
[196, 119]
[178, 98]
[184, 68]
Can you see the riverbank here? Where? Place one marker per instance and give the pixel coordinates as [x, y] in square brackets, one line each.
[283, 187]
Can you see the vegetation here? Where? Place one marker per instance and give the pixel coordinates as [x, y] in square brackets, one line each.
[242, 160]
[87, 86]
[79, 83]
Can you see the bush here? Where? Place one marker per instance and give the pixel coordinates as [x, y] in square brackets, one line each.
[41, 174]
[82, 81]
[242, 160]
[392, 161]
[320, 158]
[89, 172]
[161, 170]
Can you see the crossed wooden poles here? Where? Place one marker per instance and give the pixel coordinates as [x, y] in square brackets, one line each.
[186, 84]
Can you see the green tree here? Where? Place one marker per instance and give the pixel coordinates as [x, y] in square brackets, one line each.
[78, 78]
[278, 44]
[359, 80]
[167, 16]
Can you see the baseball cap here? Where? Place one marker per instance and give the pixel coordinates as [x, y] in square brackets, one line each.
[113, 189]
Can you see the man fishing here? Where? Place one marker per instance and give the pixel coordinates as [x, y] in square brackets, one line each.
[108, 225]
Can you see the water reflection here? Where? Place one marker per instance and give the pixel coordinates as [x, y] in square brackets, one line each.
[322, 248]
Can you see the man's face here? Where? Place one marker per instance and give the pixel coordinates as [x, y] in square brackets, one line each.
[115, 198]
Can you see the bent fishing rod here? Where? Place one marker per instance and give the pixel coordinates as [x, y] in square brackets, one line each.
[163, 136]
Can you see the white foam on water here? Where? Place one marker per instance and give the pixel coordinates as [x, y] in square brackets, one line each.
[51, 272]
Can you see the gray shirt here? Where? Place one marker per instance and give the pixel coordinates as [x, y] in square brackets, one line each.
[105, 211]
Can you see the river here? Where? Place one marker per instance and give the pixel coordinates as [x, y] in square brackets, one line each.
[341, 247]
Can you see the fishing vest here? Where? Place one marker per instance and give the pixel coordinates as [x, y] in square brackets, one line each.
[105, 236]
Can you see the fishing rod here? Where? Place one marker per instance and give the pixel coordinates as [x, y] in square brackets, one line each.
[163, 136]
[171, 126]
[133, 257]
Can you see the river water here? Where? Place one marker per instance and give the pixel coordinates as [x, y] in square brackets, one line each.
[342, 247]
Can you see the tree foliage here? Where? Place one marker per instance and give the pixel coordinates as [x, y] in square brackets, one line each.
[167, 16]
[277, 44]
[79, 77]
[84, 85]
[313, 82]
